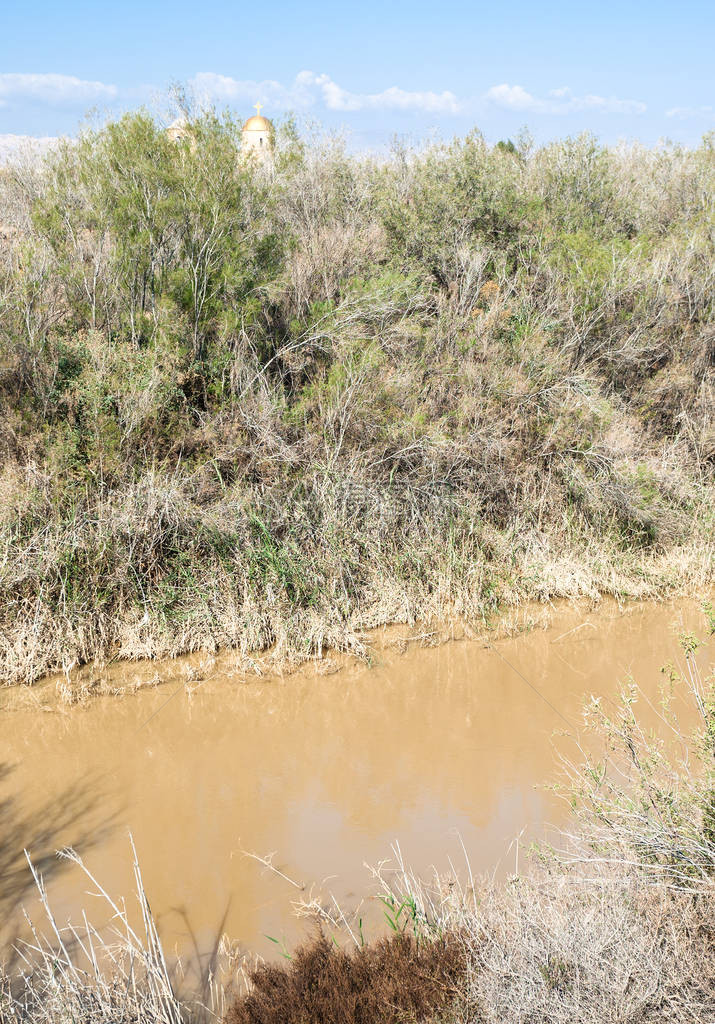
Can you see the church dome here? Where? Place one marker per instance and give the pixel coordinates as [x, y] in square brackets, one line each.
[257, 137]
[178, 130]
[257, 124]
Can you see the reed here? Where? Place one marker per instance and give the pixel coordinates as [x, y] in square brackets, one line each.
[79, 974]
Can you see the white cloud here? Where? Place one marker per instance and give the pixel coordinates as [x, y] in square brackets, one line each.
[54, 89]
[308, 89]
[394, 98]
[607, 105]
[25, 146]
[213, 88]
[559, 101]
[685, 113]
[513, 97]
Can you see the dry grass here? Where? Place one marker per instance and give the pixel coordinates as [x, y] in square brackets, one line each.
[561, 951]
[76, 974]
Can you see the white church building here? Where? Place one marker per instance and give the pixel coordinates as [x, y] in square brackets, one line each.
[257, 135]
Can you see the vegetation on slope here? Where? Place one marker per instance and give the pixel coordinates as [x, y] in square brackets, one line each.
[272, 408]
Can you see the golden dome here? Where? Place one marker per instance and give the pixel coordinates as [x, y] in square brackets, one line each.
[257, 124]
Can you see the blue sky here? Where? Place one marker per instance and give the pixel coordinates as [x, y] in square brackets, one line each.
[622, 70]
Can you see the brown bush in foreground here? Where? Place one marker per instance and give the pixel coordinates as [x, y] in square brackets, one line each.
[394, 979]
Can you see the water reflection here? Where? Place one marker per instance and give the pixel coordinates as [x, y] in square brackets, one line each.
[76, 815]
[326, 770]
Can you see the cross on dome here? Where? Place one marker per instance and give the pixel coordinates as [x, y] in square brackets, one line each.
[257, 135]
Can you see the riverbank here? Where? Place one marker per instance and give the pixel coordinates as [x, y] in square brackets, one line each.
[376, 646]
[419, 389]
[279, 603]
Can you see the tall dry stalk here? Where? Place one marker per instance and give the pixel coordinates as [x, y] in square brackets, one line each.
[79, 974]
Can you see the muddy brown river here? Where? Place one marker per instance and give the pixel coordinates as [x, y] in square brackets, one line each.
[325, 769]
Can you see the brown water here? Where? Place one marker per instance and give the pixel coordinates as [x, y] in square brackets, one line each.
[325, 769]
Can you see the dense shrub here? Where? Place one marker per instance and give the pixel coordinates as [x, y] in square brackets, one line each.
[273, 407]
[393, 979]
